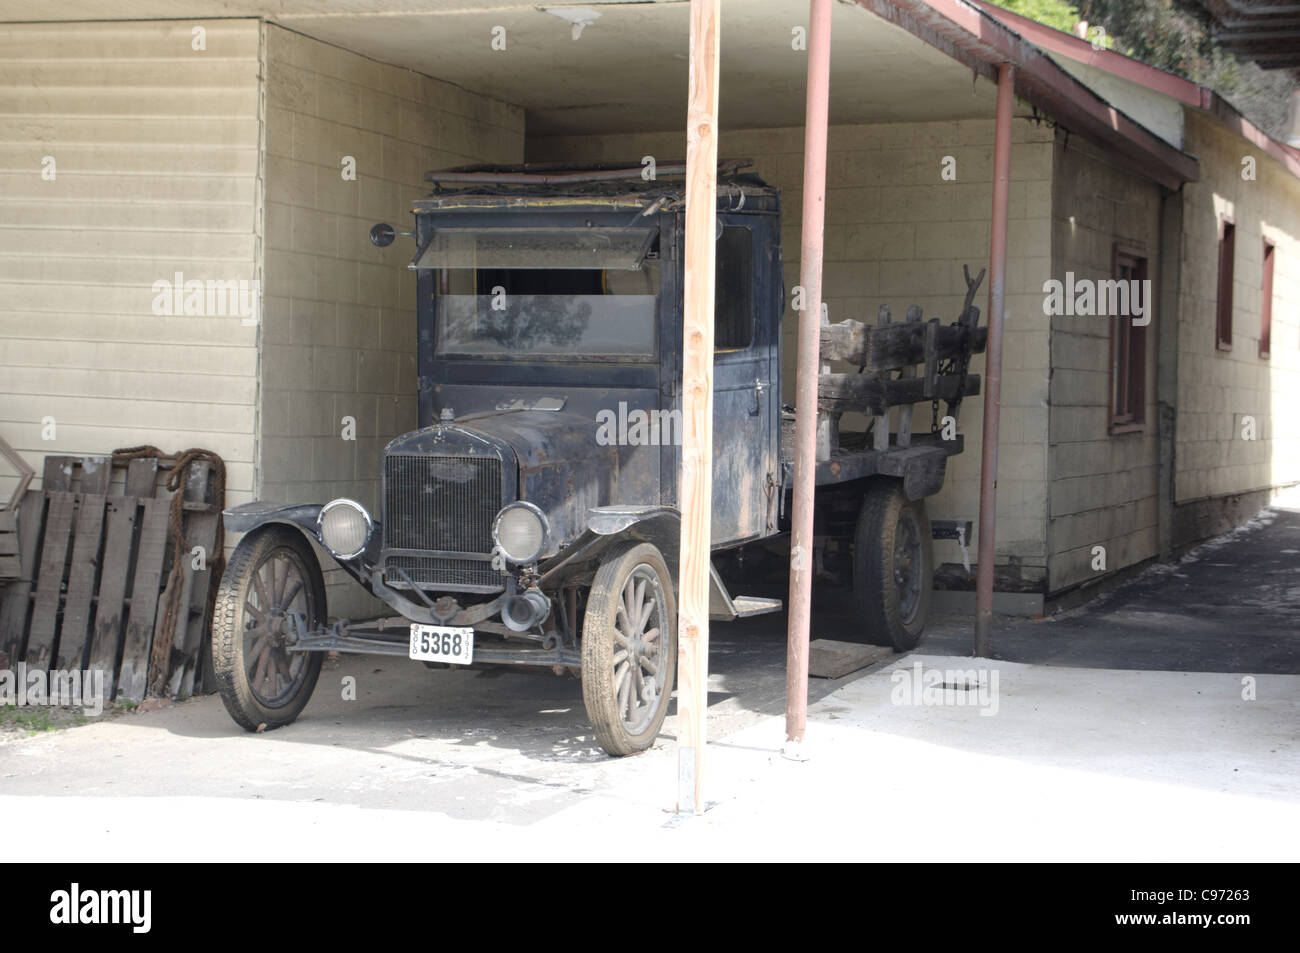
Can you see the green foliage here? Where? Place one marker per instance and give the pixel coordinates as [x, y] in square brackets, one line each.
[1054, 13]
[31, 720]
[1170, 35]
[1166, 34]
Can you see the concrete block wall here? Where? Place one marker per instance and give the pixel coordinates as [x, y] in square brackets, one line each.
[1218, 388]
[339, 336]
[1104, 485]
[897, 233]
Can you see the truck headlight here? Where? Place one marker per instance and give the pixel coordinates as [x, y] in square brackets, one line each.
[520, 532]
[344, 527]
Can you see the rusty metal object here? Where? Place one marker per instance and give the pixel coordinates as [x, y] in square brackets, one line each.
[809, 368]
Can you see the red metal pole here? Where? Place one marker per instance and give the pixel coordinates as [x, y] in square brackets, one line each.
[808, 368]
[993, 361]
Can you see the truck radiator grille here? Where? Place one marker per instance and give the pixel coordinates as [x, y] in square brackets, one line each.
[440, 504]
[470, 575]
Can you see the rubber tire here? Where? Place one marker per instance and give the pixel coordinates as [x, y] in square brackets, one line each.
[598, 648]
[874, 589]
[228, 628]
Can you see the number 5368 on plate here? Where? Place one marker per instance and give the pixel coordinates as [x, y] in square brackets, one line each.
[438, 643]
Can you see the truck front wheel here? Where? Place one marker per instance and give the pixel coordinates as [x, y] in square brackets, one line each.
[892, 566]
[629, 648]
[271, 585]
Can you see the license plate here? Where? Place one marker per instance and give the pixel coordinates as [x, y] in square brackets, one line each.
[440, 643]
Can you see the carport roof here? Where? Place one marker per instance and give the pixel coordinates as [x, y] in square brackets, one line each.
[1160, 81]
[910, 61]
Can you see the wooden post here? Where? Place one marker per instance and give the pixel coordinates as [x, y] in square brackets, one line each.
[695, 494]
[1006, 102]
[808, 368]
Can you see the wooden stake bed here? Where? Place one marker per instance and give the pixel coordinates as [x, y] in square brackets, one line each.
[921, 466]
[887, 354]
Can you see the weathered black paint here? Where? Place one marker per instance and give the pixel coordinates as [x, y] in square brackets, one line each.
[539, 418]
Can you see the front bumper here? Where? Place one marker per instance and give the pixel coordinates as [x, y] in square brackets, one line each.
[493, 643]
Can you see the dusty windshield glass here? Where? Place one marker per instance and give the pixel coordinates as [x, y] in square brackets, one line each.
[601, 247]
[504, 308]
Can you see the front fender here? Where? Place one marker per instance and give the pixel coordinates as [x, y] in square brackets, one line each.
[250, 517]
[606, 526]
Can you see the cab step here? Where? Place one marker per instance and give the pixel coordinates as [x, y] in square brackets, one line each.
[723, 607]
[747, 606]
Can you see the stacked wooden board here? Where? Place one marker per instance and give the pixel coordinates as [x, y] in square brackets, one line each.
[96, 574]
[886, 384]
[886, 356]
[10, 565]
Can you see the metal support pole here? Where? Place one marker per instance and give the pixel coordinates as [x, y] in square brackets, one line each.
[696, 488]
[993, 361]
[809, 366]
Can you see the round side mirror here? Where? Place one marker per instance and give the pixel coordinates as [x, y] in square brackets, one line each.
[382, 235]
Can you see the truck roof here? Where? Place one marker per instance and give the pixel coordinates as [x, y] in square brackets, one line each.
[603, 184]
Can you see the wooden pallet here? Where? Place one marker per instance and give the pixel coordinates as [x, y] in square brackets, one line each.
[10, 564]
[93, 568]
[186, 674]
[88, 474]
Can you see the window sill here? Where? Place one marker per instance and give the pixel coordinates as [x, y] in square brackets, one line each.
[1129, 427]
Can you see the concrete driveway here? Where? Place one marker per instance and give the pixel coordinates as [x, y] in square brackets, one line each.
[1083, 764]
[1139, 758]
[502, 745]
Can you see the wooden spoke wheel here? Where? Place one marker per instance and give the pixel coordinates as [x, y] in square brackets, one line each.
[629, 648]
[271, 590]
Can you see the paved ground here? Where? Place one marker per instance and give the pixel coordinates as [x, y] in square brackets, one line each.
[1103, 761]
[1232, 605]
[1084, 764]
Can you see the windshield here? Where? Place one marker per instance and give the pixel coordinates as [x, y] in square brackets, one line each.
[502, 296]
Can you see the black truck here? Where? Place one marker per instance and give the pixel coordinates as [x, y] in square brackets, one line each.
[531, 519]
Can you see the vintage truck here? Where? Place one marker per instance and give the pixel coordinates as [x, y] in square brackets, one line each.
[531, 518]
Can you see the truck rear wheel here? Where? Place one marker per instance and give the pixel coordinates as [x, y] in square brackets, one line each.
[629, 648]
[272, 577]
[893, 566]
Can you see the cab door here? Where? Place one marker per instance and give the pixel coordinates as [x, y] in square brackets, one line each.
[746, 384]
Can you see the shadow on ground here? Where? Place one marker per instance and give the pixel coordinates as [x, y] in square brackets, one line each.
[1232, 605]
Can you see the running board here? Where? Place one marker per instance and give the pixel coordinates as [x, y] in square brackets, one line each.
[724, 608]
[747, 606]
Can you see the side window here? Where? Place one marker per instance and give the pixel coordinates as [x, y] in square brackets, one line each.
[1128, 361]
[733, 311]
[1227, 256]
[1266, 303]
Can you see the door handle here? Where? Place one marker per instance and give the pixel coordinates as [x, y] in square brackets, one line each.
[759, 387]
